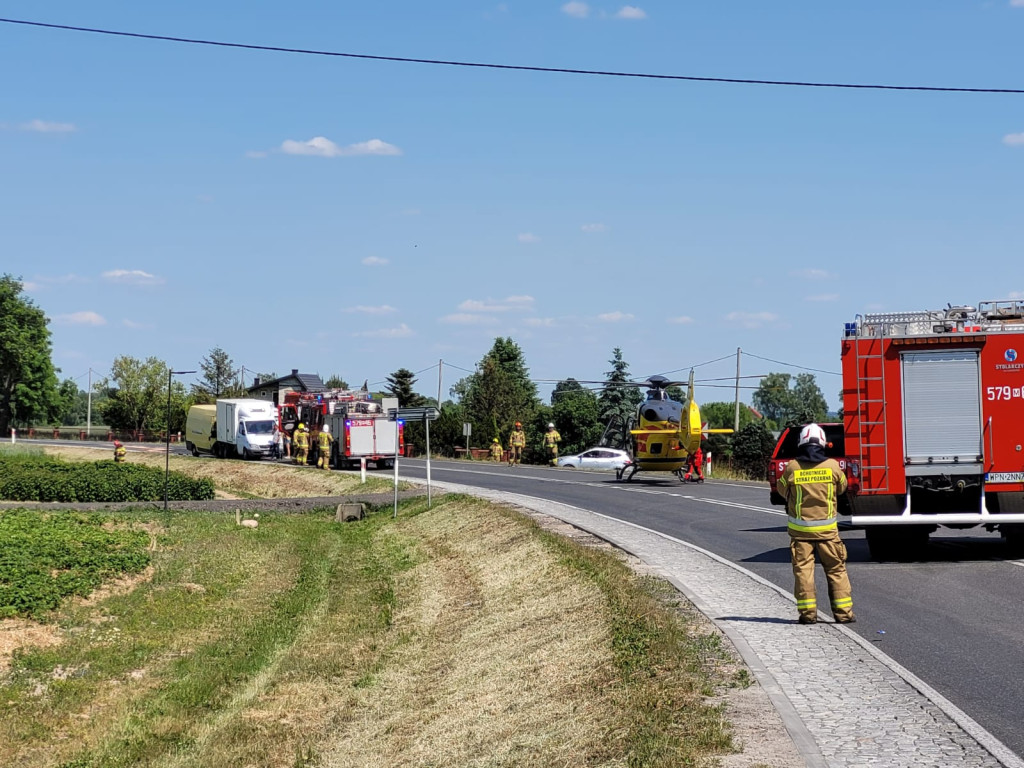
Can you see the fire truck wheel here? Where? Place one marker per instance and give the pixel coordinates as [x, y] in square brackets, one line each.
[901, 544]
[1014, 539]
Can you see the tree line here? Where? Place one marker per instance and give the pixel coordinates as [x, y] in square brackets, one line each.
[500, 392]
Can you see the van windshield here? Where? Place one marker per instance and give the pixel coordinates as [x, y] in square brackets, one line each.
[259, 427]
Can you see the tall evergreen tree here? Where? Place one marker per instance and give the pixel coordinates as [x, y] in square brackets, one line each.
[618, 400]
[28, 381]
[336, 382]
[220, 377]
[400, 385]
[500, 392]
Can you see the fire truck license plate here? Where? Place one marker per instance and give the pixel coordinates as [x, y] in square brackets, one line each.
[1004, 477]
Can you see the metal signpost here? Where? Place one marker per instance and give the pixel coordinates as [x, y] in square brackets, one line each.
[406, 415]
[467, 430]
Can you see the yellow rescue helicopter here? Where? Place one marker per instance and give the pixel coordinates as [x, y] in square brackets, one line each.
[663, 432]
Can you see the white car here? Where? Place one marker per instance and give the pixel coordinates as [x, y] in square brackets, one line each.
[597, 458]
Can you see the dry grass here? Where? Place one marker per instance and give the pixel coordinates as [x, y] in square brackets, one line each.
[458, 636]
[506, 660]
[246, 479]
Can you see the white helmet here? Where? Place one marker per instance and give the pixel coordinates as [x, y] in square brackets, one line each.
[551, 425]
[812, 433]
[327, 429]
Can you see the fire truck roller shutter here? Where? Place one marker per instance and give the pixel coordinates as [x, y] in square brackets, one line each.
[942, 411]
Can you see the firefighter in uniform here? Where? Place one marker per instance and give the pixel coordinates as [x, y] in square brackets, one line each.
[301, 439]
[119, 452]
[496, 451]
[551, 441]
[516, 443]
[811, 485]
[324, 441]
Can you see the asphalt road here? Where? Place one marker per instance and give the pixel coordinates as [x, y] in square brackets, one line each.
[956, 619]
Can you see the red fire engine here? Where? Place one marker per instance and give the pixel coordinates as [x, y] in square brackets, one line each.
[933, 402]
[359, 425]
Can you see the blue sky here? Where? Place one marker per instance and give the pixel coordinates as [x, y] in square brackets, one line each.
[355, 217]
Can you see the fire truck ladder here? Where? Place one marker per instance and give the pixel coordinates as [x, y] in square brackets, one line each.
[867, 427]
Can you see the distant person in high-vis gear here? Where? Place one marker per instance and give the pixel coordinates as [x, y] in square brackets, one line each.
[324, 441]
[551, 441]
[811, 485]
[301, 440]
[120, 454]
[695, 465]
[516, 443]
[496, 451]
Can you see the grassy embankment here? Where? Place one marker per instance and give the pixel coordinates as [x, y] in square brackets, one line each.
[250, 479]
[461, 635]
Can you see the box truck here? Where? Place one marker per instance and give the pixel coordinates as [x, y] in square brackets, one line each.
[242, 428]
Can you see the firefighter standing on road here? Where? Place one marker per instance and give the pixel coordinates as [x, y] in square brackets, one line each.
[811, 485]
[119, 452]
[516, 443]
[496, 450]
[551, 441]
[301, 439]
[324, 441]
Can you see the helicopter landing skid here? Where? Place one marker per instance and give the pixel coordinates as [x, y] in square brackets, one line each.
[631, 470]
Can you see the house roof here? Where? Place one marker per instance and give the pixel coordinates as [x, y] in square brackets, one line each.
[307, 382]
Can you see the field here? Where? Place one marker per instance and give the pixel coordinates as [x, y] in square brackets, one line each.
[249, 479]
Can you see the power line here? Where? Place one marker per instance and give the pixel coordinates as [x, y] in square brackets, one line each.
[698, 365]
[792, 365]
[515, 67]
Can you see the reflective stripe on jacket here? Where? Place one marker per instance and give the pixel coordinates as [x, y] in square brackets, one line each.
[552, 438]
[325, 441]
[518, 439]
[811, 492]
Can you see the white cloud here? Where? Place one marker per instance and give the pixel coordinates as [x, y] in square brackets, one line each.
[824, 297]
[27, 285]
[1013, 294]
[323, 147]
[751, 319]
[375, 261]
[813, 274]
[383, 309]
[631, 12]
[528, 237]
[615, 317]
[467, 318]
[134, 325]
[401, 332]
[1017, 3]
[541, 322]
[681, 320]
[1014, 139]
[517, 303]
[255, 154]
[42, 126]
[81, 318]
[132, 277]
[591, 229]
[576, 9]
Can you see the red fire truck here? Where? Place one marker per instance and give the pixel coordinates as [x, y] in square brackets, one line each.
[933, 404]
[359, 425]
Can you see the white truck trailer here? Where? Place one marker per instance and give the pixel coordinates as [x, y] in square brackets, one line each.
[245, 428]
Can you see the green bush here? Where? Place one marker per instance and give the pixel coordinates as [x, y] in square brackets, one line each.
[45, 558]
[42, 478]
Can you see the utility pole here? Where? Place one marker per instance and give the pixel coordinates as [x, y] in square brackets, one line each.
[440, 366]
[88, 409]
[736, 421]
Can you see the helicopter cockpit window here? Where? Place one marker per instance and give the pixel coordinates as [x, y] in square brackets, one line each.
[657, 394]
